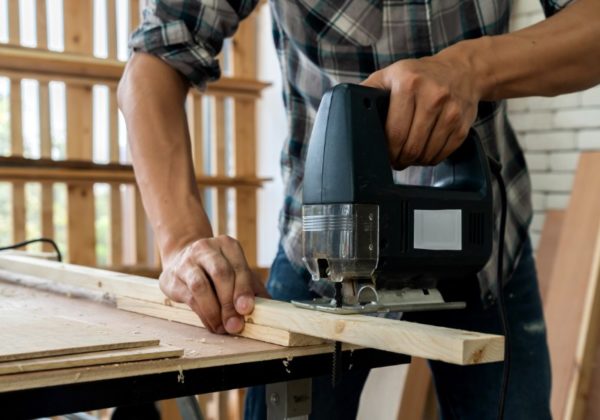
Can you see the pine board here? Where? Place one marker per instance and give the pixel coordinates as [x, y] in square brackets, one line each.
[25, 335]
[187, 316]
[90, 359]
[118, 285]
[414, 339]
[572, 301]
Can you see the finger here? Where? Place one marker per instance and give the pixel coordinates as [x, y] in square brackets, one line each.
[222, 275]
[455, 139]
[401, 108]
[201, 297]
[243, 293]
[447, 122]
[418, 137]
[399, 121]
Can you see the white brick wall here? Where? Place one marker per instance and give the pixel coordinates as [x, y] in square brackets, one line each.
[552, 132]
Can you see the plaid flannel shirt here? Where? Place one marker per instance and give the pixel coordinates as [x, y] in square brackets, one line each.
[321, 43]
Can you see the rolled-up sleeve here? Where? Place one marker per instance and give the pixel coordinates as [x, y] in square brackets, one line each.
[552, 6]
[188, 34]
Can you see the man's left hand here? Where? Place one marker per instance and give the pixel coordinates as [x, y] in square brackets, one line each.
[433, 103]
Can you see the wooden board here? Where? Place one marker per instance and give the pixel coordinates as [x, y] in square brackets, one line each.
[427, 341]
[123, 285]
[187, 316]
[546, 252]
[25, 335]
[201, 348]
[90, 359]
[573, 298]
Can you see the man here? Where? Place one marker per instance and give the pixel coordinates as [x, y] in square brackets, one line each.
[448, 64]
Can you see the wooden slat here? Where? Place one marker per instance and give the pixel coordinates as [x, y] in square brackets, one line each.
[134, 6]
[245, 164]
[547, 248]
[90, 359]
[14, 36]
[187, 316]
[41, 24]
[218, 163]
[111, 28]
[47, 198]
[244, 65]
[28, 335]
[78, 25]
[141, 237]
[573, 297]
[413, 403]
[116, 210]
[16, 139]
[76, 171]
[88, 70]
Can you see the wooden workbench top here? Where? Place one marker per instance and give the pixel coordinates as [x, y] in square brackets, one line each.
[201, 348]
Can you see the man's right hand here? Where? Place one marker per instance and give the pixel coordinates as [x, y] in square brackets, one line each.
[211, 275]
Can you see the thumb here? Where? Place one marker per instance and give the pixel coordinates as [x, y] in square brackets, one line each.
[376, 80]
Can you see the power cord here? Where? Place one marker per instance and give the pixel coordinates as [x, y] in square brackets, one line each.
[496, 168]
[32, 241]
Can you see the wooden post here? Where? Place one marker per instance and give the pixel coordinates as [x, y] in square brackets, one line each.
[78, 23]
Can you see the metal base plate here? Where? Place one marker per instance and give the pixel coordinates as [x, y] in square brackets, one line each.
[406, 300]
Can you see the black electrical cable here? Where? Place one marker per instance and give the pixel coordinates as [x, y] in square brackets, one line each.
[496, 168]
[32, 241]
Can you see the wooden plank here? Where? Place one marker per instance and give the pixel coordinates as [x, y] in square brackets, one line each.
[417, 386]
[116, 210]
[14, 30]
[244, 65]
[90, 359]
[41, 24]
[80, 171]
[187, 316]
[141, 237]
[16, 140]
[437, 343]
[89, 70]
[47, 198]
[26, 335]
[135, 12]
[219, 166]
[81, 235]
[245, 164]
[120, 286]
[572, 300]
[420, 340]
[548, 245]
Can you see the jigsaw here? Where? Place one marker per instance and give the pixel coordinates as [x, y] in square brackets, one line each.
[385, 245]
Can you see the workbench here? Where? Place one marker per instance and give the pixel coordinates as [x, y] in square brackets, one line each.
[210, 362]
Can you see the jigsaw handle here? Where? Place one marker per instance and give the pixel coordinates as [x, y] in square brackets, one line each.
[348, 158]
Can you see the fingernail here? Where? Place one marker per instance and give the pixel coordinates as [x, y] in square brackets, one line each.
[244, 304]
[221, 329]
[234, 324]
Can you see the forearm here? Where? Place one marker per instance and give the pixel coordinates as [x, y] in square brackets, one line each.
[151, 97]
[558, 55]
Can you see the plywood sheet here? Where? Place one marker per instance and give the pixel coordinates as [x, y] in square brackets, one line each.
[90, 359]
[26, 335]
